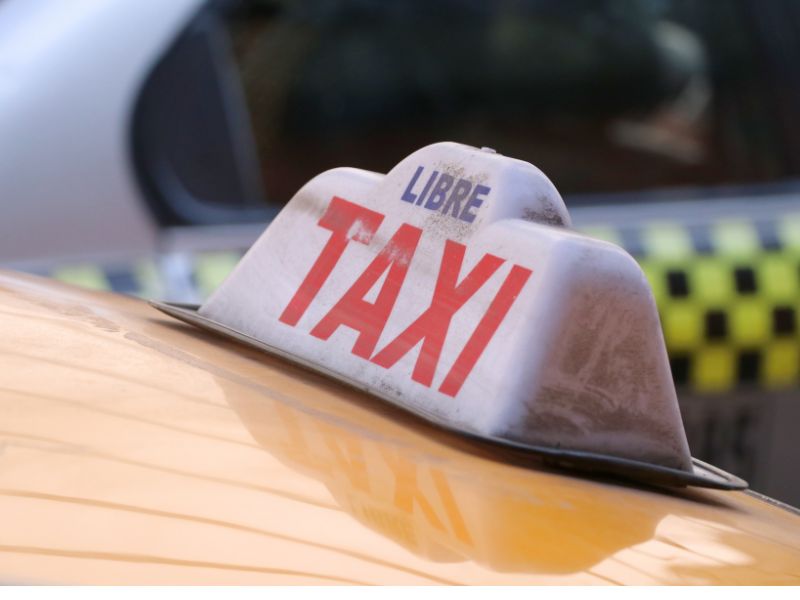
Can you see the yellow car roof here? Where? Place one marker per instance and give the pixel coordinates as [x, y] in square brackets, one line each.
[137, 449]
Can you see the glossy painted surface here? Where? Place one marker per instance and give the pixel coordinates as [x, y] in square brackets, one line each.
[135, 449]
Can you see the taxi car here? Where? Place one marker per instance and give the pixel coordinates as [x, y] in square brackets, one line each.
[139, 449]
[269, 93]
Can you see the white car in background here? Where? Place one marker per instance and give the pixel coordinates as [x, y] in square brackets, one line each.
[71, 75]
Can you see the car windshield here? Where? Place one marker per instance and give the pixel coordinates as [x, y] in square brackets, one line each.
[603, 96]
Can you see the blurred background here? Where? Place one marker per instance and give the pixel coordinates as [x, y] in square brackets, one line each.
[144, 145]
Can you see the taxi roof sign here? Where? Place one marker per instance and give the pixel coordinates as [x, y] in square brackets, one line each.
[454, 288]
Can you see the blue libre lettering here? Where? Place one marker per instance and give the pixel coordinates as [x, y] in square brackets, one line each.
[455, 197]
[459, 193]
[427, 187]
[474, 202]
[407, 195]
[436, 199]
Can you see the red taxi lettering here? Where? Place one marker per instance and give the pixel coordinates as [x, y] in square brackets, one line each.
[370, 318]
[432, 325]
[351, 221]
[479, 339]
[347, 221]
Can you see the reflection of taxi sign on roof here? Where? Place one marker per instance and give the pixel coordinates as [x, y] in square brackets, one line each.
[452, 288]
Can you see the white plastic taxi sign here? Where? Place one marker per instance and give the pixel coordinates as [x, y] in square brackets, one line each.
[453, 287]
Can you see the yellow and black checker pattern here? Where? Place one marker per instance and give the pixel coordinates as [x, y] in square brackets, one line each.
[197, 274]
[728, 293]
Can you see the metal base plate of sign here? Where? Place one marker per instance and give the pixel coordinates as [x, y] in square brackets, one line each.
[701, 475]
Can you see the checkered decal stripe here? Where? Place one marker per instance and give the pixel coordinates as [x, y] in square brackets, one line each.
[190, 277]
[728, 296]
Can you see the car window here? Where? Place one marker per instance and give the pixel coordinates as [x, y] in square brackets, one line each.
[604, 96]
